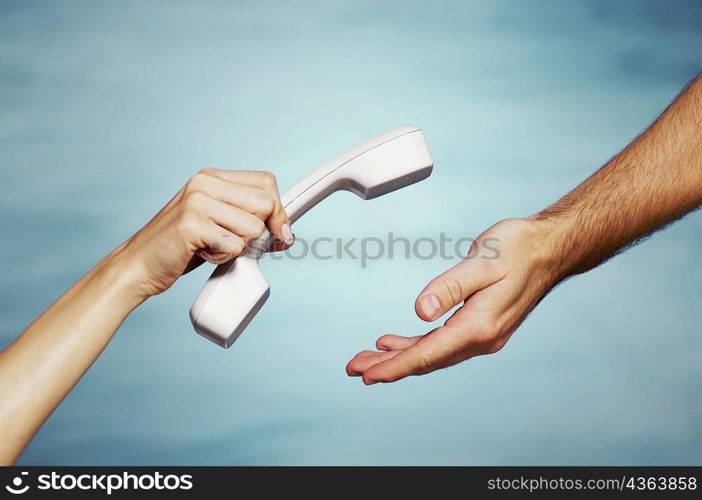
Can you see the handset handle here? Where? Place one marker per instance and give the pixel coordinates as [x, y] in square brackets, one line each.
[383, 164]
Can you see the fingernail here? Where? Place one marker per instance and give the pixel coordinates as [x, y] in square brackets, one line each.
[430, 305]
[288, 236]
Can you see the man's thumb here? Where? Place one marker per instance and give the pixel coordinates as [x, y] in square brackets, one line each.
[451, 288]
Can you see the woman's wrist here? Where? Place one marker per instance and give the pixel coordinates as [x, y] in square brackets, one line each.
[121, 277]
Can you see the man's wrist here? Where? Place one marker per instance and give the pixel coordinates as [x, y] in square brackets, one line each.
[555, 241]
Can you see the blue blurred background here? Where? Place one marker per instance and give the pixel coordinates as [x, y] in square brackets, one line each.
[106, 108]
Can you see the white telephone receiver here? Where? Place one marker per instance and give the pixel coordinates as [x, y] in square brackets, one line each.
[237, 289]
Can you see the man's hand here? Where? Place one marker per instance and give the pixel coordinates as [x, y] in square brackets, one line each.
[506, 273]
[653, 181]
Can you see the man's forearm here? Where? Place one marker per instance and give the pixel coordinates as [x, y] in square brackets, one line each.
[655, 180]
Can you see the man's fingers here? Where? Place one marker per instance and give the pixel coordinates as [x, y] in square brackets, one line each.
[480, 326]
[430, 352]
[395, 342]
[453, 287]
[366, 359]
[404, 363]
[444, 346]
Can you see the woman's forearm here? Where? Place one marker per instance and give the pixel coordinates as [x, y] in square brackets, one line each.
[44, 363]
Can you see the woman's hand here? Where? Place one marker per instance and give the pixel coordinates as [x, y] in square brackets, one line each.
[217, 211]
[213, 217]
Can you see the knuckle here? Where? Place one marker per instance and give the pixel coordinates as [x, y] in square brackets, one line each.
[494, 347]
[260, 226]
[381, 341]
[254, 228]
[488, 267]
[237, 246]
[207, 171]
[454, 289]
[473, 250]
[264, 203]
[486, 332]
[267, 179]
[512, 224]
[193, 199]
[196, 182]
